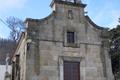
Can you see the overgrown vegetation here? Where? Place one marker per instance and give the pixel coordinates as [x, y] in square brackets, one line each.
[115, 51]
[7, 46]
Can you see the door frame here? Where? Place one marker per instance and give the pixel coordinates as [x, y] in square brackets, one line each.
[67, 58]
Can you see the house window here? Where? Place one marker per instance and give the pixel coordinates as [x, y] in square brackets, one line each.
[70, 37]
[70, 14]
[71, 70]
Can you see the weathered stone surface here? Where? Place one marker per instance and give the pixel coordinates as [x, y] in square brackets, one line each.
[49, 47]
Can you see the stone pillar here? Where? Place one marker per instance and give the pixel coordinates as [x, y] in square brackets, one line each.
[7, 74]
[108, 66]
[32, 60]
[107, 59]
[32, 52]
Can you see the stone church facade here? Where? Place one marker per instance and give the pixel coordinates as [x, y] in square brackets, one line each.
[66, 45]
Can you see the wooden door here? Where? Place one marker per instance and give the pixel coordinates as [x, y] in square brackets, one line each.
[71, 70]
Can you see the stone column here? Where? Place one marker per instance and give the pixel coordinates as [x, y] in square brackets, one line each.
[108, 66]
[7, 74]
[32, 60]
[105, 51]
[32, 52]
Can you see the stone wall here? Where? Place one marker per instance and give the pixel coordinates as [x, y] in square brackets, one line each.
[48, 47]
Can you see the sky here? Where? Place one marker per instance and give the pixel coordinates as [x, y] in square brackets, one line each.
[104, 13]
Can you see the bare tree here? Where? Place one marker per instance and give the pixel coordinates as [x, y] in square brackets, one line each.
[16, 26]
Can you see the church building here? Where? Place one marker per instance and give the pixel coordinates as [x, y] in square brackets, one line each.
[66, 45]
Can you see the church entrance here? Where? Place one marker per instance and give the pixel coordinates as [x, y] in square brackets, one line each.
[71, 70]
